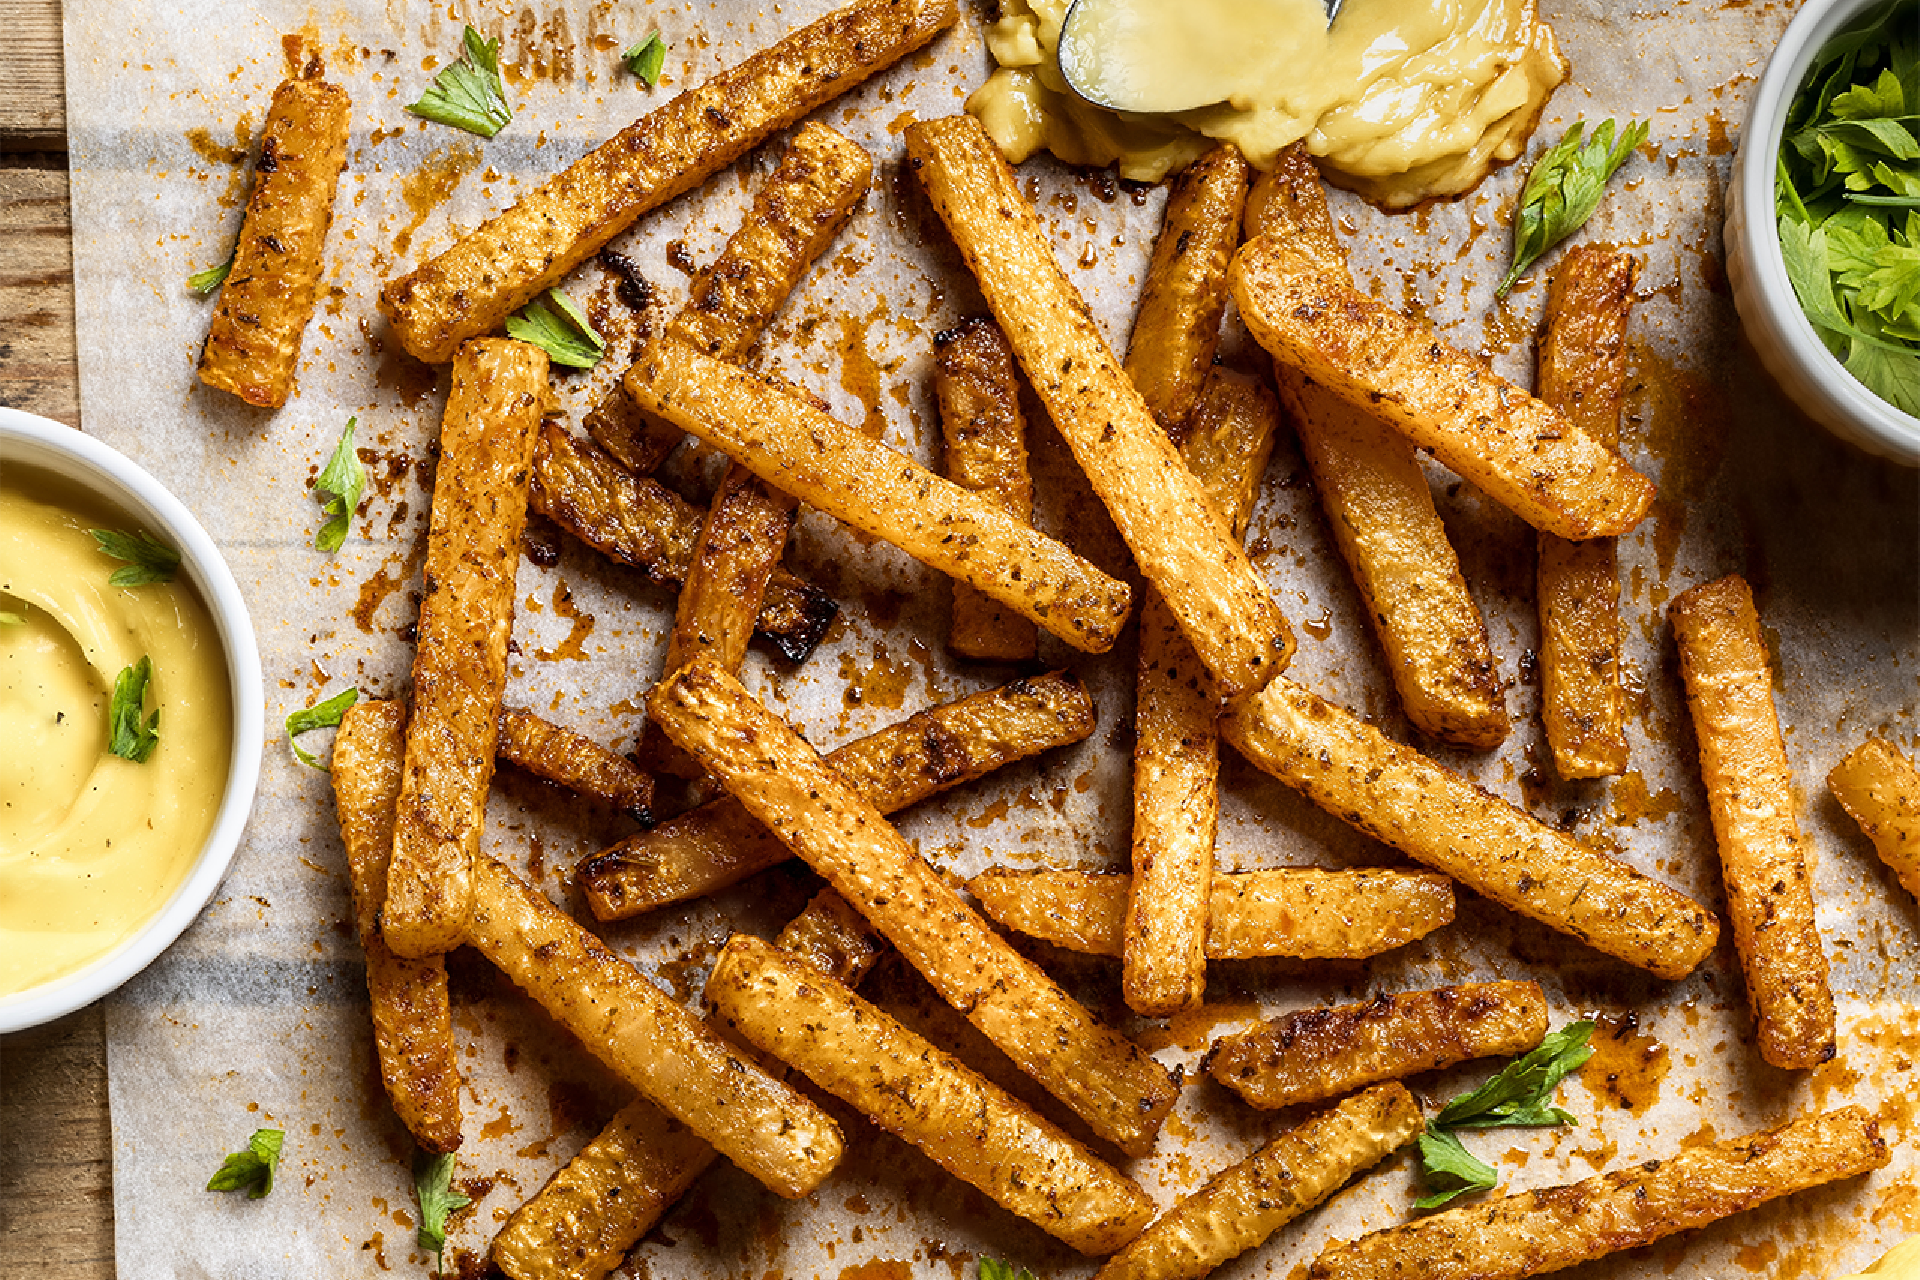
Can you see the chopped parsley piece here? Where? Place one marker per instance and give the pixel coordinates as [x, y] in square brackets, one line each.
[647, 59]
[325, 715]
[205, 282]
[127, 737]
[148, 559]
[560, 329]
[433, 1187]
[1564, 188]
[469, 94]
[250, 1170]
[339, 486]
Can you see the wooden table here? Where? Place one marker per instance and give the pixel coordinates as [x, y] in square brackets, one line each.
[56, 1150]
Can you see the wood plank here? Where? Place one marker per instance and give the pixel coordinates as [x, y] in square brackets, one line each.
[33, 106]
[56, 1150]
[39, 371]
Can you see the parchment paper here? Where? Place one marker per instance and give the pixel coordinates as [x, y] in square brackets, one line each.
[257, 1017]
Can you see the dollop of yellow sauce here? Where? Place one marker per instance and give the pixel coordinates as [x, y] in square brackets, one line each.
[92, 845]
[1400, 100]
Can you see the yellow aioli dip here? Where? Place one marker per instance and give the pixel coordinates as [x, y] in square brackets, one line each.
[1401, 100]
[91, 845]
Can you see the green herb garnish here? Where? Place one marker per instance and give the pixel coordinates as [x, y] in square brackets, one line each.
[432, 1186]
[127, 737]
[1563, 189]
[994, 1269]
[560, 330]
[1520, 1096]
[324, 715]
[469, 94]
[148, 559]
[250, 1170]
[646, 59]
[9, 619]
[339, 486]
[205, 282]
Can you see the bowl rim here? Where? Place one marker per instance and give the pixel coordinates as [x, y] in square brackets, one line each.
[1811, 28]
[123, 482]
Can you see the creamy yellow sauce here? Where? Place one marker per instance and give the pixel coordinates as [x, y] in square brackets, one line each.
[1902, 1262]
[92, 845]
[1402, 100]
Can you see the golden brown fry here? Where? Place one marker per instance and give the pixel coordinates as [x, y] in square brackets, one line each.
[720, 843]
[1315, 1054]
[1435, 816]
[471, 287]
[1535, 1232]
[1240, 1207]
[1183, 547]
[1723, 661]
[575, 762]
[967, 1125]
[1104, 1077]
[460, 659]
[253, 344]
[1525, 455]
[1582, 365]
[1298, 912]
[987, 453]
[1176, 753]
[412, 1021]
[1177, 326]
[787, 441]
[664, 1052]
[1880, 789]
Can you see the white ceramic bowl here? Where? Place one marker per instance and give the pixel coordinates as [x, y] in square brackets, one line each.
[1787, 345]
[32, 441]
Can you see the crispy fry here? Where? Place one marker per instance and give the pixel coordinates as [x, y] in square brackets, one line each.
[1182, 545]
[1435, 816]
[1526, 456]
[1177, 326]
[1723, 661]
[1535, 1232]
[720, 843]
[969, 1126]
[664, 1052]
[577, 763]
[1120, 1091]
[787, 441]
[460, 659]
[471, 287]
[1176, 753]
[253, 344]
[637, 440]
[1315, 1054]
[1582, 365]
[987, 453]
[412, 1021]
[1880, 789]
[1298, 912]
[1240, 1207]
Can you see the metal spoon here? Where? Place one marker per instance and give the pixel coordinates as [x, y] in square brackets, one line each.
[1102, 41]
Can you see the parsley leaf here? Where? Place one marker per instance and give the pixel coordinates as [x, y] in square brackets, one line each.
[148, 559]
[324, 715]
[339, 486]
[432, 1186]
[646, 59]
[561, 330]
[205, 282]
[1451, 1170]
[994, 1269]
[1563, 189]
[127, 737]
[250, 1170]
[469, 94]
[9, 619]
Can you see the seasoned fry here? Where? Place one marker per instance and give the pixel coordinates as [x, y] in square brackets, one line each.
[1582, 365]
[1241, 1207]
[1535, 1232]
[577, 763]
[460, 660]
[987, 453]
[1120, 1091]
[471, 287]
[639, 522]
[720, 843]
[638, 441]
[412, 1022]
[786, 441]
[758, 1122]
[1880, 789]
[1176, 752]
[1526, 456]
[1723, 661]
[1177, 326]
[1183, 547]
[1314, 1054]
[1298, 912]
[253, 344]
[968, 1125]
[1435, 816]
